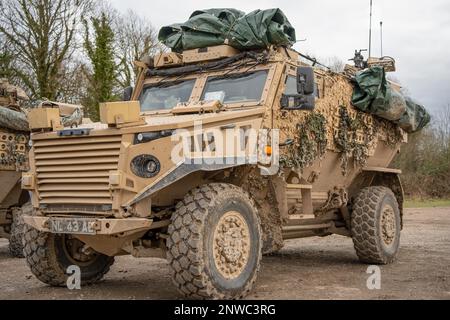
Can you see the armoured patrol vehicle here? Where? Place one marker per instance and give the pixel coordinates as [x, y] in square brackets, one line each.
[172, 172]
[227, 146]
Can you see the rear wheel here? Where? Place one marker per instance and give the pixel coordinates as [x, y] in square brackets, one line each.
[214, 245]
[376, 225]
[49, 256]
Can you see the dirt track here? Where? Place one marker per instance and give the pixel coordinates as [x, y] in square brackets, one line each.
[306, 269]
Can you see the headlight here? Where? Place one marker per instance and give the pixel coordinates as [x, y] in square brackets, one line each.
[145, 166]
[151, 136]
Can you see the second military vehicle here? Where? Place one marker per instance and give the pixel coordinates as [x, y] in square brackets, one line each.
[14, 138]
[14, 148]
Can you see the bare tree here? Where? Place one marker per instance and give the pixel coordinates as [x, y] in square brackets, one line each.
[442, 124]
[335, 64]
[42, 37]
[6, 59]
[136, 37]
[74, 89]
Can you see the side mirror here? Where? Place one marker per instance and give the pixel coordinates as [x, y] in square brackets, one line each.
[127, 94]
[305, 98]
[305, 80]
[298, 102]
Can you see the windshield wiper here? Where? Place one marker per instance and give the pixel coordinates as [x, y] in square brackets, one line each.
[164, 84]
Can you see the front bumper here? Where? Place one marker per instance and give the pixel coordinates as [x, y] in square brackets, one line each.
[102, 226]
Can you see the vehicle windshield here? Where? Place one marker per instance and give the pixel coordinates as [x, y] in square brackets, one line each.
[166, 95]
[236, 88]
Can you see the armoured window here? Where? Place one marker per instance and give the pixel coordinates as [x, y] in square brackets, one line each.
[236, 88]
[291, 85]
[316, 90]
[166, 95]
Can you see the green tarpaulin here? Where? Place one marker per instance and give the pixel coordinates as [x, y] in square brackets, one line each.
[373, 94]
[256, 30]
[416, 117]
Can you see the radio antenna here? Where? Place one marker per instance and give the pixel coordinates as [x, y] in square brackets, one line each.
[370, 29]
[381, 31]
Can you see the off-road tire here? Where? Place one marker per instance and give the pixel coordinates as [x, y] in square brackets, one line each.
[190, 254]
[17, 227]
[366, 226]
[48, 261]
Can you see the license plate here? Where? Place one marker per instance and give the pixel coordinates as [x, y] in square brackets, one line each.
[72, 226]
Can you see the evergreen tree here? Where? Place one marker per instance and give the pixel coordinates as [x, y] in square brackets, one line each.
[100, 51]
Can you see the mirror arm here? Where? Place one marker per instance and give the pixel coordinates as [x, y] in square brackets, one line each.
[297, 102]
[287, 143]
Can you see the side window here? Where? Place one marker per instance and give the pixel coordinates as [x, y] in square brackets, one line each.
[320, 87]
[317, 90]
[291, 85]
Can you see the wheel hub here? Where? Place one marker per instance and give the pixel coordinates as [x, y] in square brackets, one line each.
[74, 250]
[388, 225]
[231, 245]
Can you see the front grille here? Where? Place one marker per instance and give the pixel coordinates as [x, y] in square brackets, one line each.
[76, 170]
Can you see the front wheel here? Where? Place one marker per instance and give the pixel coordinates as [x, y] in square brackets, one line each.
[214, 244]
[376, 225]
[49, 255]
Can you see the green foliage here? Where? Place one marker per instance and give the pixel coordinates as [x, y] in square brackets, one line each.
[427, 203]
[346, 139]
[311, 142]
[100, 52]
[425, 161]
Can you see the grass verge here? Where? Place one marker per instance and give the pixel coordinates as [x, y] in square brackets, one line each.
[433, 203]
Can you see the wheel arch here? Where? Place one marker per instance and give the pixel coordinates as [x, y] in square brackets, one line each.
[388, 178]
[16, 197]
[203, 173]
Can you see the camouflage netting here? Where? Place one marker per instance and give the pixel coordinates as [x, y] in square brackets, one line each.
[13, 120]
[256, 30]
[373, 94]
[313, 142]
[334, 126]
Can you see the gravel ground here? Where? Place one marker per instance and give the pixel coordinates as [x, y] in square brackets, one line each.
[316, 268]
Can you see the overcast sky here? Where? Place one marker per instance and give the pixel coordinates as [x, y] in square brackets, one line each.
[416, 33]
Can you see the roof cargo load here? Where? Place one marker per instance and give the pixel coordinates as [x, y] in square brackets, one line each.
[205, 28]
[374, 94]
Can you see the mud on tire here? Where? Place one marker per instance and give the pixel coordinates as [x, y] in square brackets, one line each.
[17, 228]
[48, 258]
[376, 225]
[208, 257]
